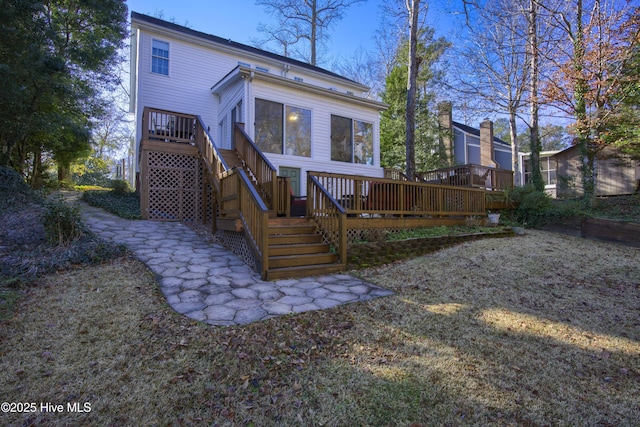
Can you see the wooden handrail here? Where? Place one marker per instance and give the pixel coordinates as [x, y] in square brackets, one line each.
[329, 215]
[213, 160]
[240, 200]
[361, 195]
[395, 174]
[262, 170]
[470, 175]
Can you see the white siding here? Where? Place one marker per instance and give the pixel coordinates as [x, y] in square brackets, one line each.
[228, 100]
[321, 110]
[195, 65]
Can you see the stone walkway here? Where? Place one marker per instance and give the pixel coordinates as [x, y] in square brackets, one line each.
[206, 282]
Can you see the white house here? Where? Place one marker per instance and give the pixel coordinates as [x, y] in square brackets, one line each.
[302, 117]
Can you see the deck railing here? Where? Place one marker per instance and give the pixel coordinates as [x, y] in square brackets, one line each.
[329, 215]
[172, 127]
[283, 201]
[168, 126]
[396, 174]
[379, 196]
[470, 175]
[240, 200]
[263, 171]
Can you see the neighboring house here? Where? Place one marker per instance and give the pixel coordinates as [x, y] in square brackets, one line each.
[302, 117]
[471, 145]
[548, 170]
[616, 174]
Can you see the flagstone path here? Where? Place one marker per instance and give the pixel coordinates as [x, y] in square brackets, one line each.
[209, 283]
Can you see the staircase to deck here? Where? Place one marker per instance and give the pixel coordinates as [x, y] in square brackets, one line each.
[231, 158]
[239, 192]
[295, 246]
[296, 249]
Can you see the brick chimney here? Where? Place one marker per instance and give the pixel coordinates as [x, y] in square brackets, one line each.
[445, 120]
[487, 157]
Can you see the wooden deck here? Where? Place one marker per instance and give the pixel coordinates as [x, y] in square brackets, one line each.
[185, 177]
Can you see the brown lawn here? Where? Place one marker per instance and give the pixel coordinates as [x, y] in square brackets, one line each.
[541, 329]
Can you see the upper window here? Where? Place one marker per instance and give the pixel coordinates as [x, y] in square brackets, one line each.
[351, 141]
[283, 129]
[160, 57]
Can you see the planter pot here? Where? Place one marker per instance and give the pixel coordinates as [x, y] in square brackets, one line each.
[494, 218]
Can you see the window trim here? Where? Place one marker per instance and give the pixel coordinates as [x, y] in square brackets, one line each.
[283, 145]
[161, 58]
[352, 121]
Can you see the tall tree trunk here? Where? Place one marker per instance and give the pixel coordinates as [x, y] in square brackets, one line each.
[35, 180]
[587, 154]
[413, 6]
[64, 173]
[513, 134]
[536, 176]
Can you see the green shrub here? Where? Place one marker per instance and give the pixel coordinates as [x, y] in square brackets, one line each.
[62, 222]
[120, 186]
[12, 187]
[125, 205]
[536, 208]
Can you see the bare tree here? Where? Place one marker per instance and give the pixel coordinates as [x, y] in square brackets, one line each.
[413, 8]
[534, 105]
[303, 20]
[492, 64]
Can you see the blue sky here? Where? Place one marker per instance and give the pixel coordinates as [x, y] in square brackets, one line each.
[238, 20]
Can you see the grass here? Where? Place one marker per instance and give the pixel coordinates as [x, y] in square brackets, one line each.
[425, 232]
[541, 329]
[8, 300]
[125, 205]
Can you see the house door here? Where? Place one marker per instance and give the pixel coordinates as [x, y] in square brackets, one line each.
[294, 176]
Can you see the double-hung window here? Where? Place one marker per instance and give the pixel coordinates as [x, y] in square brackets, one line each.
[351, 140]
[283, 129]
[160, 57]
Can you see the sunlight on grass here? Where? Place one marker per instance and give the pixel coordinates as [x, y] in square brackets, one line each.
[450, 308]
[520, 323]
[445, 308]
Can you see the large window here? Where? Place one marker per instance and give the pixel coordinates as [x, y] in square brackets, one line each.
[547, 170]
[283, 129]
[160, 57]
[351, 141]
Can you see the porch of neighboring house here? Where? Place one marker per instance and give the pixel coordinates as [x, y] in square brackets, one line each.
[185, 177]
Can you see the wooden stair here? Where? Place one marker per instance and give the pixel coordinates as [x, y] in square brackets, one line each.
[296, 249]
[231, 158]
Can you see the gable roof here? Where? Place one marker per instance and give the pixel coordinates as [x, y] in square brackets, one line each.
[476, 132]
[137, 19]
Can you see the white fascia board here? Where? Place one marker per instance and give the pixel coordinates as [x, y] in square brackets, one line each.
[231, 78]
[312, 89]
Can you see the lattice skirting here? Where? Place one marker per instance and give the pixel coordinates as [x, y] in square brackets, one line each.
[174, 188]
[235, 241]
[373, 234]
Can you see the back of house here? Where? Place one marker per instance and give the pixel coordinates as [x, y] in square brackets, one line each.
[302, 117]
